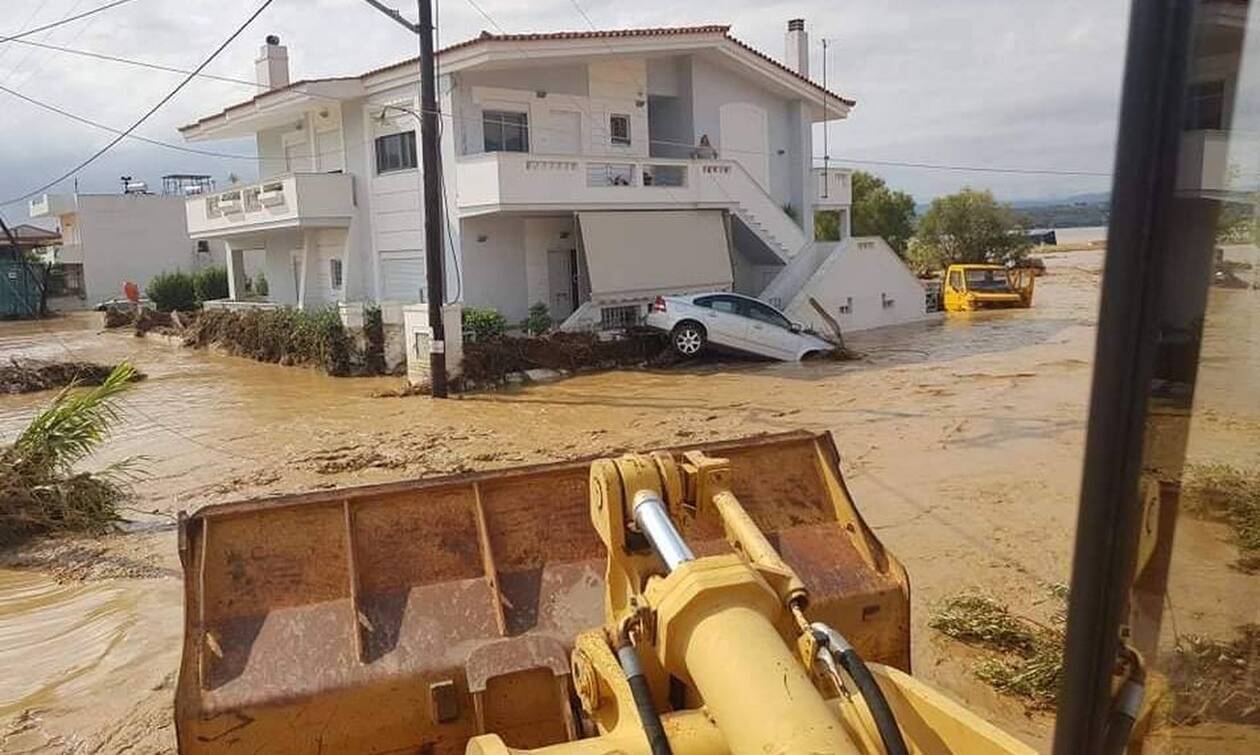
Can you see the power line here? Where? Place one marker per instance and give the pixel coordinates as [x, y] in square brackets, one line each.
[96, 124]
[64, 21]
[971, 168]
[150, 112]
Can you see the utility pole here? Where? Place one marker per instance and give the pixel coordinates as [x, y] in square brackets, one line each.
[430, 173]
[826, 150]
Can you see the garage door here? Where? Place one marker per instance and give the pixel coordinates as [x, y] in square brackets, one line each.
[402, 278]
[630, 255]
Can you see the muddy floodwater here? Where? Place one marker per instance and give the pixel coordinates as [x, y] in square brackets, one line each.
[961, 439]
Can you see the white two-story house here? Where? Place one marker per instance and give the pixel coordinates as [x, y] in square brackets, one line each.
[573, 167]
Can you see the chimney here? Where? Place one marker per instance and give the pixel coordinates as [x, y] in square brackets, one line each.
[797, 43]
[272, 65]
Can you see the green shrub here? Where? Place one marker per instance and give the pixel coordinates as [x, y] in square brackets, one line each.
[211, 283]
[539, 320]
[172, 291]
[286, 335]
[484, 324]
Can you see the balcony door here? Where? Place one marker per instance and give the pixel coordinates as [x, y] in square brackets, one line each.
[297, 153]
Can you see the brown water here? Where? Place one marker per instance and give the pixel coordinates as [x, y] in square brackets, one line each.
[960, 438]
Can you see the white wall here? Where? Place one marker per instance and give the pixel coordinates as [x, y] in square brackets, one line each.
[593, 92]
[494, 269]
[542, 235]
[713, 86]
[132, 238]
[862, 272]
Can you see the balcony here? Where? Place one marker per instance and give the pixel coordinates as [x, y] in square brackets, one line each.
[1217, 165]
[518, 181]
[833, 187]
[293, 200]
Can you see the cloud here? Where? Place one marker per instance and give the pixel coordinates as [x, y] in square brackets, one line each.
[975, 82]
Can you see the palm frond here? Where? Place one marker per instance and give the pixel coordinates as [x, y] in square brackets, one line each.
[75, 424]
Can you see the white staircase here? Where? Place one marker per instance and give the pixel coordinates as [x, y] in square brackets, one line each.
[759, 211]
[798, 271]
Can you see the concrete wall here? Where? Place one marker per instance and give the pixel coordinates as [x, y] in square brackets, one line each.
[868, 277]
[494, 265]
[588, 94]
[712, 87]
[133, 238]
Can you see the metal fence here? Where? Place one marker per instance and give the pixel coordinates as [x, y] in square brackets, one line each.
[21, 288]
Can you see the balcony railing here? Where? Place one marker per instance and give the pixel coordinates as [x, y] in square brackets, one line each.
[488, 182]
[833, 187]
[1219, 164]
[284, 201]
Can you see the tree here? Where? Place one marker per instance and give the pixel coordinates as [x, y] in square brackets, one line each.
[881, 211]
[969, 227]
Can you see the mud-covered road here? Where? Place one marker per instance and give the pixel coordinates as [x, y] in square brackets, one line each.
[961, 439]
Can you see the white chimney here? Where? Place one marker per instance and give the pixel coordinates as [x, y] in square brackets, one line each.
[272, 65]
[796, 55]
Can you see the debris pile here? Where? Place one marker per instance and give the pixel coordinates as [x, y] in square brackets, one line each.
[40, 489]
[285, 336]
[1217, 681]
[1231, 495]
[28, 376]
[493, 361]
[1024, 658]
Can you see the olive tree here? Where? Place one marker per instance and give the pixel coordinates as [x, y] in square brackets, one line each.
[881, 211]
[969, 227]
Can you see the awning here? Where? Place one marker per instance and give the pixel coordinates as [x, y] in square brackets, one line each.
[636, 254]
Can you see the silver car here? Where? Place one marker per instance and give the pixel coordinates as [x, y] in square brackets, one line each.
[735, 322]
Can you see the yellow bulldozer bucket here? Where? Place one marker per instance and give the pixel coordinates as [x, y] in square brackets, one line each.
[411, 616]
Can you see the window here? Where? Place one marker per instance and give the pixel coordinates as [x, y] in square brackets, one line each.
[847, 307]
[888, 302]
[955, 281]
[505, 131]
[334, 273]
[396, 152]
[203, 246]
[760, 312]
[728, 304]
[618, 318]
[619, 130]
[1205, 102]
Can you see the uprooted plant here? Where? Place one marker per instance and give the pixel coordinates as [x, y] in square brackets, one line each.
[1024, 658]
[40, 490]
[1232, 495]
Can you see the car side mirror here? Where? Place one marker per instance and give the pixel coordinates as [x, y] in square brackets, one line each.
[797, 327]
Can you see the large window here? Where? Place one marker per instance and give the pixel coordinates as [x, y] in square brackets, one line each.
[396, 152]
[505, 131]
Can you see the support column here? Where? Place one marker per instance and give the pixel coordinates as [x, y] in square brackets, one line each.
[306, 274]
[236, 271]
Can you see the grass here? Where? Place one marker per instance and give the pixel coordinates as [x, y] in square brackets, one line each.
[1023, 658]
[40, 491]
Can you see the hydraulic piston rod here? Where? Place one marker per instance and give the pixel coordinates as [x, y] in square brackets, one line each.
[653, 520]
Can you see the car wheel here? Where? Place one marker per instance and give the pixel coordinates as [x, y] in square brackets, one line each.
[688, 338]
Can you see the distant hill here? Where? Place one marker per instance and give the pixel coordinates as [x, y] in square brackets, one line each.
[1073, 211]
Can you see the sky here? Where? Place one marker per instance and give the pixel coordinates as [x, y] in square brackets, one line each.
[1020, 84]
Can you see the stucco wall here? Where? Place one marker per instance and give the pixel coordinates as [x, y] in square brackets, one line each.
[713, 86]
[862, 273]
[494, 268]
[132, 238]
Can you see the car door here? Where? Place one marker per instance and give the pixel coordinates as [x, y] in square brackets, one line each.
[723, 320]
[769, 332]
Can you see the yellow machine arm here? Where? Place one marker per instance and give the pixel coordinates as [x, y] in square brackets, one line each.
[715, 654]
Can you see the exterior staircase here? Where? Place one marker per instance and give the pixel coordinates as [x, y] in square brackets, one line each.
[758, 210]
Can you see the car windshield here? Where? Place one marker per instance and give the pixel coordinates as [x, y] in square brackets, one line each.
[987, 280]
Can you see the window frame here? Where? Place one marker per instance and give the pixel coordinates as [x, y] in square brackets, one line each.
[776, 318]
[499, 118]
[406, 140]
[613, 138]
[336, 273]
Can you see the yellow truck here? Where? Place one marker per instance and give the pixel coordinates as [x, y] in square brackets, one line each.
[970, 287]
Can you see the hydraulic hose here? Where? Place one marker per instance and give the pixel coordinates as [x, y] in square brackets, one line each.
[652, 726]
[889, 733]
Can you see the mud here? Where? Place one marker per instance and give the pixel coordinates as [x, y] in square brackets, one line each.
[29, 376]
[961, 440]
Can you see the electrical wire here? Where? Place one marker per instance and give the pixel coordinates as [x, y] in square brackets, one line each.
[92, 158]
[64, 21]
